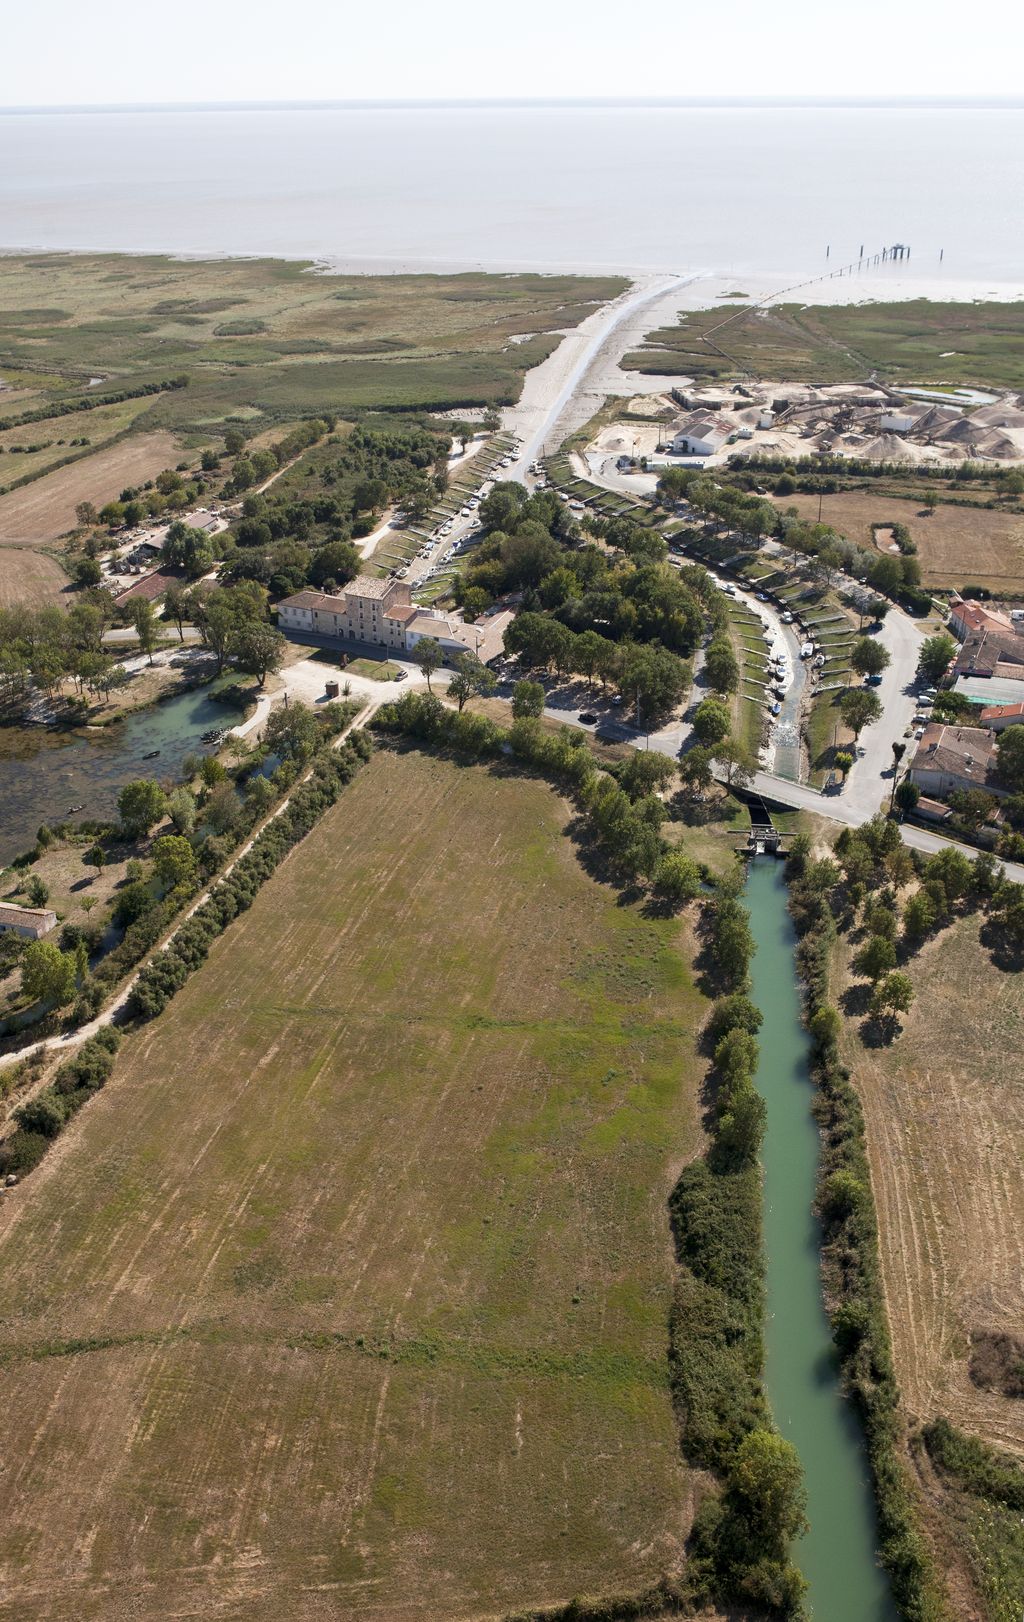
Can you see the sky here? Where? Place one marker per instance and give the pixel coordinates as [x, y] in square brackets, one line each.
[121, 51]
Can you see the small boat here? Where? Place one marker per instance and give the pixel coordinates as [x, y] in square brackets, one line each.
[152, 754]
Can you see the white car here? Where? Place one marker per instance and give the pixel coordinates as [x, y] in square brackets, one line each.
[787, 618]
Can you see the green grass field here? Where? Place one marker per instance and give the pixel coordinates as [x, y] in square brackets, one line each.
[917, 341]
[348, 1296]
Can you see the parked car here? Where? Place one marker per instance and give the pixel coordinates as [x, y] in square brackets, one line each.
[787, 618]
[588, 718]
[873, 681]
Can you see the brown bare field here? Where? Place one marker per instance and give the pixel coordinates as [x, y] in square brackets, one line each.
[29, 577]
[945, 1119]
[956, 546]
[347, 1297]
[45, 509]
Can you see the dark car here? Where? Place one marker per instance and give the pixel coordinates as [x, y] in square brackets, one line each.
[588, 718]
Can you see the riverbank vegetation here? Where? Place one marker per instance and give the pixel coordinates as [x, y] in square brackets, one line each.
[852, 1280]
[359, 1220]
[739, 1548]
[982, 1499]
[898, 917]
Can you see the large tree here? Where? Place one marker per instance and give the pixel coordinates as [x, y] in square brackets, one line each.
[47, 973]
[869, 657]
[720, 666]
[711, 721]
[429, 655]
[140, 805]
[858, 708]
[1010, 758]
[258, 649]
[144, 621]
[653, 678]
[470, 678]
[935, 656]
[528, 699]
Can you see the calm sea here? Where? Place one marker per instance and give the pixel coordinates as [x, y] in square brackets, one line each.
[722, 189]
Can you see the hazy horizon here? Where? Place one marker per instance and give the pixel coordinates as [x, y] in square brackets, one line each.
[220, 52]
[952, 103]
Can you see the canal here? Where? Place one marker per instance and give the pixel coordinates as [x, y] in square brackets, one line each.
[839, 1553]
[44, 772]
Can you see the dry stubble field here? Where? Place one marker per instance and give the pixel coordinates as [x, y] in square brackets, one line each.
[956, 546]
[945, 1118]
[45, 509]
[29, 577]
[348, 1295]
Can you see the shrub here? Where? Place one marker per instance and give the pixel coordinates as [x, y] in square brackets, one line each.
[44, 1114]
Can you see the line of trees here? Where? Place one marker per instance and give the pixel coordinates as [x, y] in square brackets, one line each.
[166, 973]
[741, 1541]
[871, 862]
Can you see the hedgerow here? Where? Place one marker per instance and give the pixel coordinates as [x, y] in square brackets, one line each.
[43, 1116]
[167, 972]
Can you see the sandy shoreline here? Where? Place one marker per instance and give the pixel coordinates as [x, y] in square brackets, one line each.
[705, 288]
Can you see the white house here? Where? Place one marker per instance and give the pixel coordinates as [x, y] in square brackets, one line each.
[702, 438]
[31, 923]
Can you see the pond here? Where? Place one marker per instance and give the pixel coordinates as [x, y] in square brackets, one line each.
[44, 772]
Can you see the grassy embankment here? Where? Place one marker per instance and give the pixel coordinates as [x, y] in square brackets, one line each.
[916, 341]
[748, 701]
[406, 1280]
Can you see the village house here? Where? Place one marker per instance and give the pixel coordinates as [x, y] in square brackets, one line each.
[1001, 716]
[969, 618]
[992, 653]
[484, 638]
[31, 923]
[953, 757]
[382, 613]
[368, 610]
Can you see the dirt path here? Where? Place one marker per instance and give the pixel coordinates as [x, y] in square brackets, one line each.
[72, 1039]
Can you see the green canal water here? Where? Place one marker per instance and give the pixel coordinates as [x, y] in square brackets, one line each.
[839, 1553]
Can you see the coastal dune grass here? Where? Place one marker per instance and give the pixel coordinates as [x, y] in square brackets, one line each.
[349, 1294]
